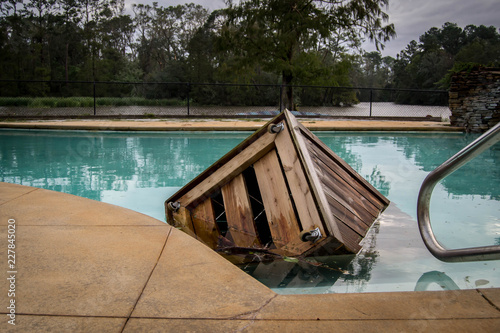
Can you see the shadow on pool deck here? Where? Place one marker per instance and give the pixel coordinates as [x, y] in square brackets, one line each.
[87, 266]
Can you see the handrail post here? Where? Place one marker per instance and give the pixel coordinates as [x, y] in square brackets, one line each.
[471, 151]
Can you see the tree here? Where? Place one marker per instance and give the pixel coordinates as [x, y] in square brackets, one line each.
[202, 56]
[277, 33]
[165, 34]
[480, 52]
[452, 38]
[372, 65]
[430, 63]
[482, 46]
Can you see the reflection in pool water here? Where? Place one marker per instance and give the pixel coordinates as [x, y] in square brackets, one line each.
[140, 170]
[443, 280]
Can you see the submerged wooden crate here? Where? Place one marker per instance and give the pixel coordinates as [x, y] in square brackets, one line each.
[281, 190]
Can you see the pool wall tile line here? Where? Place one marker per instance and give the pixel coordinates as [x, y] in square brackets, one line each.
[76, 275]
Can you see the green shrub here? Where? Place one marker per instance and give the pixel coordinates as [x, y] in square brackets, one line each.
[54, 102]
[86, 101]
[15, 101]
[103, 101]
[67, 102]
[43, 102]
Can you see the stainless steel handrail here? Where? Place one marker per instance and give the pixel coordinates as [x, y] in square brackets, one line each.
[475, 148]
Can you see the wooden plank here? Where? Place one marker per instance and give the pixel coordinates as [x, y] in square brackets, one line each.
[352, 207]
[239, 213]
[296, 247]
[182, 219]
[350, 238]
[204, 224]
[230, 169]
[299, 186]
[346, 194]
[343, 164]
[326, 247]
[310, 171]
[351, 204]
[351, 181]
[345, 216]
[335, 170]
[277, 203]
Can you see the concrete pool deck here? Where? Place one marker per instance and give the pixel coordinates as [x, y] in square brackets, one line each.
[228, 125]
[87, 266]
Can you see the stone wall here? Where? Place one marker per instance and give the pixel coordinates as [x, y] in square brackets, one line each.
[475, 99]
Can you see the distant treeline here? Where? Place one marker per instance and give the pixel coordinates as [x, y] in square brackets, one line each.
[82, 40]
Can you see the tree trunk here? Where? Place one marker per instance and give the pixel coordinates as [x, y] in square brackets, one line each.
[287, 92]
[66, 67]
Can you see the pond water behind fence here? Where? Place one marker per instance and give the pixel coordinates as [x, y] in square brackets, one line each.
[363, 109]
[141, 170]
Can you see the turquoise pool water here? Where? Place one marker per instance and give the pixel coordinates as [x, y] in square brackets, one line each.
[140, 170]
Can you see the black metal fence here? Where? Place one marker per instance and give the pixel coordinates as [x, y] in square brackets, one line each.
[62, 99]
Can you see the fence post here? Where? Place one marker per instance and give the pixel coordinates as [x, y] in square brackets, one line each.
[94, 101]
[281, 97]
[188, 90]
[371, 101]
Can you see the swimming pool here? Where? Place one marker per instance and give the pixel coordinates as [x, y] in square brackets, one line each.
[140, 170]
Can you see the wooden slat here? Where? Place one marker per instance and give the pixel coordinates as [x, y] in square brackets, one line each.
[350, 238]
[338, 172]
[345, 216]
[182, 219]
[239, 213]
[326, 246]
[204, 224]
[348, 197]
[277, 203]
[345, 194]
[296, 247]
[299, 186]
[310, 171]
[343, 164]
[347, 202]
[230, 169]
[348, 179]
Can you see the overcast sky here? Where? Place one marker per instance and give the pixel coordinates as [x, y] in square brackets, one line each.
[411, 17]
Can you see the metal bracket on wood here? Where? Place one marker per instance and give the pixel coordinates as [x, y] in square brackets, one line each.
[311, 236]
[275, 128]
[174, 206]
